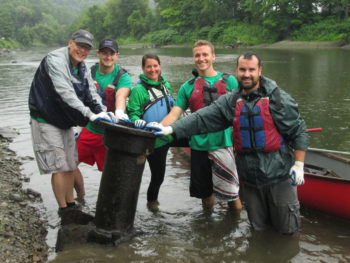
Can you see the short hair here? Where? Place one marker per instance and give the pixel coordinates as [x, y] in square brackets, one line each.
[149, 56]
[204, 43]
[249, 55]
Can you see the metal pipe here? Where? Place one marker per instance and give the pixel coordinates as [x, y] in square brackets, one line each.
[127, 149]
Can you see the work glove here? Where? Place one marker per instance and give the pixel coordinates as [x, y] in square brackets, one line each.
[103, 116]
[120, 115]
[140, 124]
[297, 173]
[159, 129]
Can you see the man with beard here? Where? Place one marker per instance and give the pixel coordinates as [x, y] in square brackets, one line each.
[270, 139]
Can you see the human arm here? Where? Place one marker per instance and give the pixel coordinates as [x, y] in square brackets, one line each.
[121, 95]
[138, 97]
[57, 63]
[173, 116]
[120, 101]
[288, 121]
[218, 116]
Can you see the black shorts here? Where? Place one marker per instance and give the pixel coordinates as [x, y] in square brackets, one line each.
[201, 184]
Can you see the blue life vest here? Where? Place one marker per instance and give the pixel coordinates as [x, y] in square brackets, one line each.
[159, 105]
[255, 130]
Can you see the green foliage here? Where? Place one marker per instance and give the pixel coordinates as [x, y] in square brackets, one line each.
[51, 22]
[161, 37]
[117, 14]
[25, 36]
[45, 34]
[92, 20]
[325, 30]
[137, 24]
[76, 6]
[243, 34]
[8, 43]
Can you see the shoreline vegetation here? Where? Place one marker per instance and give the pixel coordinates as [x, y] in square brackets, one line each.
[285, 44]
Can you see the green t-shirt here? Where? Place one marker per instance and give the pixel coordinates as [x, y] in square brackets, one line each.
[104, 81]
[209, 141]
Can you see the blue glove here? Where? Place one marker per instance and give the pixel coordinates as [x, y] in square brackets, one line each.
[297, 173]
[140, 124]
[120, 115]
[159, 129]
[103, 116]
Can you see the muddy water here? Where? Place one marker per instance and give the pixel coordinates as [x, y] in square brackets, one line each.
[181, 231]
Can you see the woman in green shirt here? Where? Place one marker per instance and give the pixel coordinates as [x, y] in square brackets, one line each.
[151, 100]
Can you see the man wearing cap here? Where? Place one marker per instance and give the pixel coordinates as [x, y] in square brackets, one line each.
[63, 95]
[113, 84]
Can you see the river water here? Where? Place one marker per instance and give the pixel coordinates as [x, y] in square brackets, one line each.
[181, 231]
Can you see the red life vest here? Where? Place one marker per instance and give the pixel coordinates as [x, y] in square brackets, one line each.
[203, 94]
[108, 94]
[255, 130]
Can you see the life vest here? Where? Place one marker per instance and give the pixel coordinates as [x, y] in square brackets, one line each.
[159, 105]
[108, 94]
[255, 130]
[203, 94]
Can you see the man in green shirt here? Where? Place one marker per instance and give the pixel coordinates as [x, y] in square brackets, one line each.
[211, 151]
[113, 84]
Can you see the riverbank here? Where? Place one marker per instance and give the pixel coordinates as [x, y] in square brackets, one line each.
[22, 228]
[285, 44]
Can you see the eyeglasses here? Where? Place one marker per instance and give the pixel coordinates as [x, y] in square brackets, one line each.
[83, 46]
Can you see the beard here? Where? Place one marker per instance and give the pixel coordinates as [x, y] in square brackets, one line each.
[247, 87]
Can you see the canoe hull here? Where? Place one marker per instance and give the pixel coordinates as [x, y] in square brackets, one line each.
[326, 194]
[327, 183]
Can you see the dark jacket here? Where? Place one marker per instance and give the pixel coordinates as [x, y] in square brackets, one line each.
[257, 168]
[61, 97]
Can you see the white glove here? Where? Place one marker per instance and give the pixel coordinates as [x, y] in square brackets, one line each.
[297, 173]
[140, 124]
[159, 129]
[120, 115]
[102, 116]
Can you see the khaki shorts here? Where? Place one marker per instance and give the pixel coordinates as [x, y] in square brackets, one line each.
[55, 149]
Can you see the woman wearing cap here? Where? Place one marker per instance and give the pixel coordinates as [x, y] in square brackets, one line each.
[151, 100]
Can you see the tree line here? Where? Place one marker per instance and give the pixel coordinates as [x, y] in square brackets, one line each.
[161, 22]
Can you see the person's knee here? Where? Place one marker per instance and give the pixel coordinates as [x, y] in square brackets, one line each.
[289, 221]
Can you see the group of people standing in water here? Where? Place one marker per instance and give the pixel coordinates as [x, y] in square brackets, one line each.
[245, 119]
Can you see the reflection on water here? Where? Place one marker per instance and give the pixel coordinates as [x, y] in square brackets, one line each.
[181, 231]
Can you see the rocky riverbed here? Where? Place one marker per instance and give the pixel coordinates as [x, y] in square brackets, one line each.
[22, 228]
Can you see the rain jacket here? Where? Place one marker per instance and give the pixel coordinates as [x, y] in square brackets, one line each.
[59, 96]
[140, 97]
[257, 168]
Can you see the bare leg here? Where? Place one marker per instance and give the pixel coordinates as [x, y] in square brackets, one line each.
[62, 186]
[79, 183]
[208, 202]
[235, 205]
